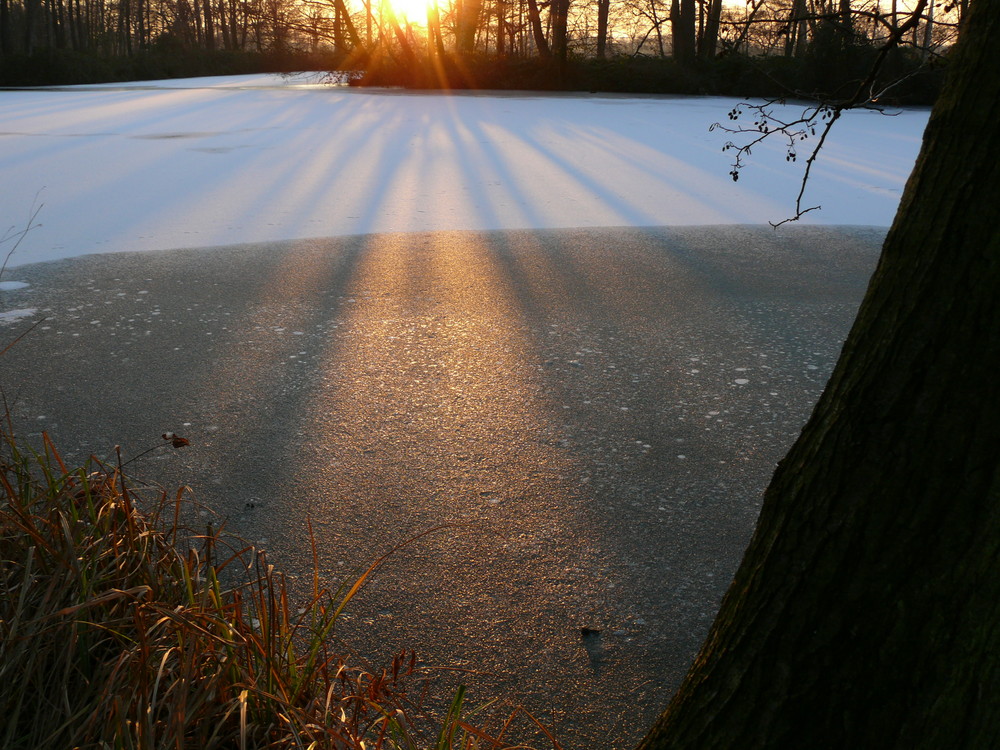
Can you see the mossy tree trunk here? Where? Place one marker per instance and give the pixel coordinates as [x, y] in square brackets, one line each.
[866, 612]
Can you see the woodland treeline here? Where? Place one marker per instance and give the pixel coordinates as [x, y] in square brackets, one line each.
[654, 44]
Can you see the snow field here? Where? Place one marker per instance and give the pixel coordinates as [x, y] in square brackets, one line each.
[217, 161]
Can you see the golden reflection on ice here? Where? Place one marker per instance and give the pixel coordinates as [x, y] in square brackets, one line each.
[433, 371]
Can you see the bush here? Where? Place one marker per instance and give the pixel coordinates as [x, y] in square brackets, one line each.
[828, 69]
[816, 74]
[165, 59]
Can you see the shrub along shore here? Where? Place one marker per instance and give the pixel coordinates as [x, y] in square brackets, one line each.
[728, 75]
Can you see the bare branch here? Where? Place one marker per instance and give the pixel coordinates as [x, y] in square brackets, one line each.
[11, 233]
[820, 116]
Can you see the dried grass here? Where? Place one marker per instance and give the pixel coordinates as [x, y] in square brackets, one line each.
[116, 631]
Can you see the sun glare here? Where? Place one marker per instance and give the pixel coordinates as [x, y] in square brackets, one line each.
[413, 11]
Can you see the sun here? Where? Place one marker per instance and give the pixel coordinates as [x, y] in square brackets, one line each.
[413, 11]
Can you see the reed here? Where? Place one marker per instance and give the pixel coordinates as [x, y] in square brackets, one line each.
[121, 628]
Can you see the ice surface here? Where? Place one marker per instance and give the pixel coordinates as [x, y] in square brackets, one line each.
[13, 316]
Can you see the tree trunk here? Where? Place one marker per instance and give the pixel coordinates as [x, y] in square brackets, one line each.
[468, 12]
[31, 8]
[866, 612]
[501, 11]
[232, 18]
[347, 24]
[535, 19]
[603, 9]
[140, 23]
[795, 40]
[196, 12]
[683, 17]
[59, 24]
[73, 21]
[803, 28]
[559, 15]
[929, 31]
[845, 23]
[745, 29]
[209, 25]
[6, 40]
[125, 27]
[410, 57]
[710, 38]
[434, 29]
[225, 37]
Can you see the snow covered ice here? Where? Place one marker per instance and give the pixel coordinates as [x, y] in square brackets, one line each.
[217, 161]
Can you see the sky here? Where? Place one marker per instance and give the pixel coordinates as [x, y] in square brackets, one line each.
[231, 160]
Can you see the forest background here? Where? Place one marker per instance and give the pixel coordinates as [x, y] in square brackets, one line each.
[808, 48]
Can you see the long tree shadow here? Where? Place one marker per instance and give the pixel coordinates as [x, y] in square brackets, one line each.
[684, 368]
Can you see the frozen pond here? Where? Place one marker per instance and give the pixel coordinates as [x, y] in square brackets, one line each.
[380, 311]
[206, 162]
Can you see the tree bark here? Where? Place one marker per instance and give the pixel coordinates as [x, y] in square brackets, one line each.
[866, 612]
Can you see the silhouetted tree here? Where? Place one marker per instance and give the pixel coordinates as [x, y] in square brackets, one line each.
[866, 612]
[683, 17]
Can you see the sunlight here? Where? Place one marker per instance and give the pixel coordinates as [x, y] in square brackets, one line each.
[409, 11]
